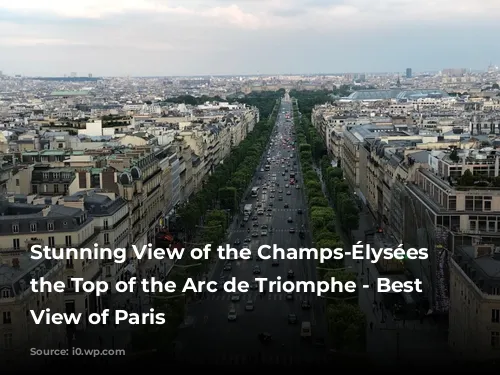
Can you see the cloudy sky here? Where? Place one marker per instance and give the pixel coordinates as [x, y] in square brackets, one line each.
[194, 37]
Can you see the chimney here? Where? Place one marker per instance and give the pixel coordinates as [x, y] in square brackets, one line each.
[46, 211]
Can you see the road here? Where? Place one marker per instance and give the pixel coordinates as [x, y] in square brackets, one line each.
[210, 337]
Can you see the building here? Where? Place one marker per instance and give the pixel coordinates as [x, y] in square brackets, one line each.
[408, 73]
[474, 317]
[140, 185]
[23, 225]
[18, 330]
[110, 216]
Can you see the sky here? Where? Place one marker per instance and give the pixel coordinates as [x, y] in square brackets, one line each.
[240, 37]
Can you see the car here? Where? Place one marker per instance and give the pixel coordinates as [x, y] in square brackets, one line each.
[287, 186]
[231, 315]
[283, 174]
[291, 274]
[228, 267]
[247, 240]
[235, 297]
[260, 212]
[256, 270]
[290, 220]
[271, 204]
[255, 224]
[254, 285]
[263, 232]
[280, 191]
[299, 211]
[255, 218]
[265, 337]
[305, 305]
[297, 187]
[286, 205]
[242, 224]
[255, 234]
[271, 196]
[275, 263]
[237, 242]
[292, 319]
[246, 218]
[249, 306]
[288, 192]
[259, 204]
[289, 296]
[264, 187]
[280, 198]
[264, 226]
[262, 169]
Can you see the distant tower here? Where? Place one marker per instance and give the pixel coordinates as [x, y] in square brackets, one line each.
[90, 75]
[398, 83]
[408, 72]
[73, 74]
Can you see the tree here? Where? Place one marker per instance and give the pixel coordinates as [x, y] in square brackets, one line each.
[346, 325]
[454, 155]
[319, 202]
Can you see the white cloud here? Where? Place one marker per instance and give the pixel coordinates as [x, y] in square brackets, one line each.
[33, 41]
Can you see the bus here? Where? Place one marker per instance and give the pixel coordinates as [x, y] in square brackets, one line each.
[255, 191]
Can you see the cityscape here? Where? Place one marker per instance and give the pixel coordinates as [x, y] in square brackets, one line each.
[404, 158]
[268, 128]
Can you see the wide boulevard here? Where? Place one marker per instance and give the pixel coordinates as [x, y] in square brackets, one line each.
[209, 335]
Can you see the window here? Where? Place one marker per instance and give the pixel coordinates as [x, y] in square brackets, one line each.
[33, 227]
[68, 240]
[45, 188]
[6, 293]
[45, 175]
[56, 188]
[17, 182]
[105, 224]
[50, 226]
[15, 228]
[69, 263]
[34, 189]
[106, 238]
[66, 188]
[7, 341]
[15, 244]
[52, 242]
[495, 316]
[69, 283]
[55, 175]
[7, 319]
[495, 340]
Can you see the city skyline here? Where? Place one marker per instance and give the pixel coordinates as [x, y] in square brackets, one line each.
[220, 37]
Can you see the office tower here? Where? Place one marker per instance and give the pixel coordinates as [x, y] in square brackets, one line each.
[408, 72]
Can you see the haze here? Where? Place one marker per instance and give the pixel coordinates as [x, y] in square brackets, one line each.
[210, 37]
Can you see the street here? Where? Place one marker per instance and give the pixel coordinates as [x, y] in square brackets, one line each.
[209, 336]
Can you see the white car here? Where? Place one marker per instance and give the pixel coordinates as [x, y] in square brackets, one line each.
[231, 315]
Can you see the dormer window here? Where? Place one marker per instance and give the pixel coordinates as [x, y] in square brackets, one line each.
[6, 293]
[65, 223]
[33, 227]
[50, 226]
[15, 228]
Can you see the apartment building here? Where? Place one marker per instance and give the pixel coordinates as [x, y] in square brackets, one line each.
[141, 186]
[110, 215]
[23, 225]
[17, 328]
[474, 316]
